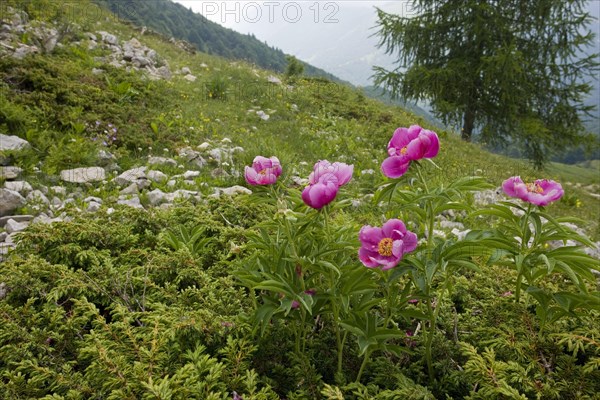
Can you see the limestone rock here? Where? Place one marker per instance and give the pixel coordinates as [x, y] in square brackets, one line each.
[156, 176]
[131, 202]
[37, 197]
[156, 197]
[93, 206]
[12, 143]
[83, 175]
[10, 172]
[180, 194]
[129, 176]
[109, 38]
[131, 189]
[92, 199]
[191, 174]
[273, 79]
[10, 201]
[203, 146]
[231, 191]
[60, 190]
[17, 218]
[162, 161]
[13, 226]
[18, 186]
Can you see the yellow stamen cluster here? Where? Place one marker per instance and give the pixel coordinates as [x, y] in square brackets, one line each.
[385, 247]
[403, 150]
[534, 187]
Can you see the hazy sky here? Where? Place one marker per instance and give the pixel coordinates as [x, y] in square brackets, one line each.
[338, 36]
[234, 14]
[333, 35]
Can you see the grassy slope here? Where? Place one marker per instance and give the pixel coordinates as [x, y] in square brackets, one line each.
[332, 122]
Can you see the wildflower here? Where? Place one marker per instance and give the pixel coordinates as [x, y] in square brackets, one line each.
[541, 192]
[264, 171]
[324, 183]
[342, 172]
[406, 145]
[384, 247]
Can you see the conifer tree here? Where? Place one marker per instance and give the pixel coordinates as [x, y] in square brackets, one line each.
[514, 71]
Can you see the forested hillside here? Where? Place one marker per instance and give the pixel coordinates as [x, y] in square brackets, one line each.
[177, 21]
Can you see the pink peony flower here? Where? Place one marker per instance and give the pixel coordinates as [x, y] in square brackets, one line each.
[406, 145]
[384, 247]
[342, 172]
[264, 171]
[541, 192]
[324, 183]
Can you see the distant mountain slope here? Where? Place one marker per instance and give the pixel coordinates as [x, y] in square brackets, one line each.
[175, 20]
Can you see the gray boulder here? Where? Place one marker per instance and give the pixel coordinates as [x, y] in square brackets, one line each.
[13, 226]
[18, 186]
[10, 201]
[109, 38]
[83, 175]
[93, 206]
[17, 218]
[156, 176]
[131, 189]
[133, 201]
[162, 161]
[231, 191]
[130, 176]
[37, 197]
[10, 172]
[156, 197]
[12, 143]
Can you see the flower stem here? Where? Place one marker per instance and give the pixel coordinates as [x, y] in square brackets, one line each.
[429, 341]
[362, 366]
[432, 327]
[340, 351]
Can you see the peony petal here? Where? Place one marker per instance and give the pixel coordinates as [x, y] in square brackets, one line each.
[434, 144]
[371, 235]
[306, 195]
[343, 172]
[398, 249]
[553, 190]
[389, 263]
[394, 228]
[394, 167]
[320, 194]
[399, 140]
[508, 186]
[267, 177]
[414, 131]
[410, 242]
[536, 198]
[276, 166]
[251, 176]
[261, 163]
[366, 258]
[416, 149]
